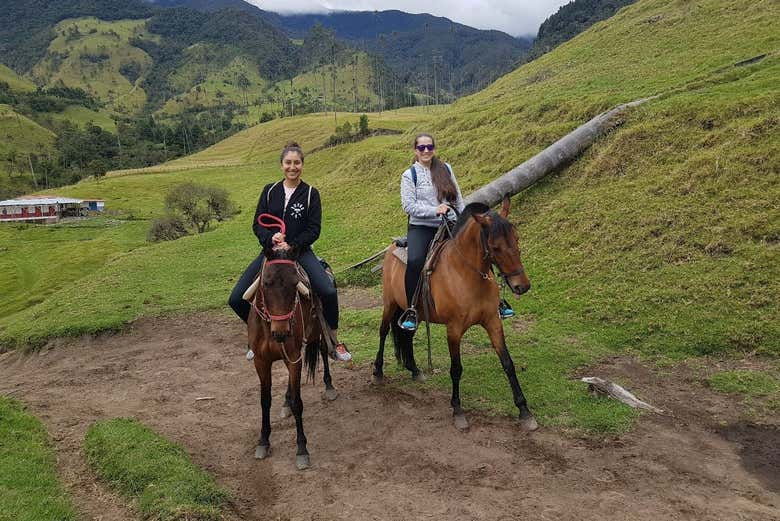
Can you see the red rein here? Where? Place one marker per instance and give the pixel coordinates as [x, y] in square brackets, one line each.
[276, 222]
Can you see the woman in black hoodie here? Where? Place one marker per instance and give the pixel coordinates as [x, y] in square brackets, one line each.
[298, 204]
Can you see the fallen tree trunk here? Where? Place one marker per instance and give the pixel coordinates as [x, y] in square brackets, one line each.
[551, 159]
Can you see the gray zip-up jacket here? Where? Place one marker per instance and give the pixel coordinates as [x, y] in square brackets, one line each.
[420, 201]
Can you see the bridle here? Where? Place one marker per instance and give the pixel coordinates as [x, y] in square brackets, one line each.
[486, 255]
[262, 310]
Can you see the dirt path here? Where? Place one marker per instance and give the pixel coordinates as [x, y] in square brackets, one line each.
[389, 453]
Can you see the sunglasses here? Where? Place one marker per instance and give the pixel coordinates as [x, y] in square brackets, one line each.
[422, 148]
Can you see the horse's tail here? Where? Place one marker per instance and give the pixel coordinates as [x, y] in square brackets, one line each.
[402, 341]
[311, 358]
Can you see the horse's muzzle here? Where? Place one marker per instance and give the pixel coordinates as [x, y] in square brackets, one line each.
[519, 289]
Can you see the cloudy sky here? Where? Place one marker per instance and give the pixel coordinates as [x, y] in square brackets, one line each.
[516, 17]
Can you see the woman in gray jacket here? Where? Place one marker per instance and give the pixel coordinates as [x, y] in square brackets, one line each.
[427, 188]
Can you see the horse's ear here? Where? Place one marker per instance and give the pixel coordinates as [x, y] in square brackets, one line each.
[505, 205]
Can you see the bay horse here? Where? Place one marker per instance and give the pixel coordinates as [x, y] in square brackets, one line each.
[283, 326]
[464, 292]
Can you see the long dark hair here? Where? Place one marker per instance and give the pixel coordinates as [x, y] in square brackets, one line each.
[440, 175]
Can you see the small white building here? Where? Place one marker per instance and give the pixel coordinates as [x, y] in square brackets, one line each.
[45, 208]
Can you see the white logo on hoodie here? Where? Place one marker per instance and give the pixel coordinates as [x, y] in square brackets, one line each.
[296, 210]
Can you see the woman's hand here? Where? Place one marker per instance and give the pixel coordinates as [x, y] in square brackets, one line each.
[442, 209]
[277, 238]
[282, 246]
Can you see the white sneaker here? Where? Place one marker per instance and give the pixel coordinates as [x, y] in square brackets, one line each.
[341, 354]
[250, 355]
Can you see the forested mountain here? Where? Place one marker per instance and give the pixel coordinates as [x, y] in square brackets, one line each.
[415, 45]
[26, 25]
[209, 6]
[412, 45]
[570, 20]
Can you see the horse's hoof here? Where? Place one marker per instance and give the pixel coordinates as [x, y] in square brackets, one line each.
[331, 394]
[419, 377]
[302, 462]
[377, 380]
[262, 451]
[529, 423]
[460, 421]
[286, 412]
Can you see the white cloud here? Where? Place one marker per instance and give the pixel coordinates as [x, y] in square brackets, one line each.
[511, 16]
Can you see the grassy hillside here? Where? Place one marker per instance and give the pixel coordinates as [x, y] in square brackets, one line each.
[661, 241]
[15, 81]
[21, 135]
[97, 56]
[80, 116]
[213, 76]
[352, 79]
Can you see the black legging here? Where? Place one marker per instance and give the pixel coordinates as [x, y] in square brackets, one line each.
[418, 241]
[319, 280]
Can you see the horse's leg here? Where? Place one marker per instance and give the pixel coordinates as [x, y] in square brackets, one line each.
[454, 334]
[263, 367]
[378, 376]
[330, 392]
[286, 412]
[496, 332]
[296, 404]
[410, 362]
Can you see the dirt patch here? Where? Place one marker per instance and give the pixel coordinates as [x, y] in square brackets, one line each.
[359, 298]
[382, 453]
[760, 450]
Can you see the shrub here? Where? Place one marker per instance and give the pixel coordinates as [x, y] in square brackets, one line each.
[200, 204]
[363, 126]
[167, 228]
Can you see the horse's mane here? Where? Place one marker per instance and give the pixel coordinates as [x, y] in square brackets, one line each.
[498, 225]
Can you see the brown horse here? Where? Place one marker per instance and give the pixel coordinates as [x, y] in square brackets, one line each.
[464, 293]
[283, 327]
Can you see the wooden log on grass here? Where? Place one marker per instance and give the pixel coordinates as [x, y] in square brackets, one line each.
[551, 159]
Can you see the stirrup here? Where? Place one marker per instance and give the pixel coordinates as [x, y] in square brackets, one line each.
[505, 310]
[408, 320]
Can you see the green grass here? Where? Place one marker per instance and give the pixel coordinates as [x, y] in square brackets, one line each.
[68, 60]
[144, 466]
[659, 242]
[29, 489]
[80, 116]
[750, 383]
[72, 250]
[15, 81]
[21, 135]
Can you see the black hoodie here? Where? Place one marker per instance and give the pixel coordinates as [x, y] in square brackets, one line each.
[303, 216]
